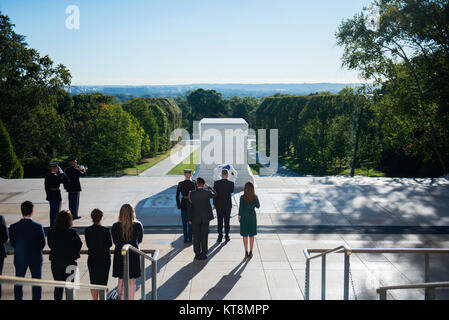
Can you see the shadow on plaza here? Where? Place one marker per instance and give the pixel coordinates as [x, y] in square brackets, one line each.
[159, 209]
[179, 281]
[384, 215]
[226, 283]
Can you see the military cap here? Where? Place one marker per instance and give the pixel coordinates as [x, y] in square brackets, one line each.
[53, 164]
[72, 159]
[187, 170]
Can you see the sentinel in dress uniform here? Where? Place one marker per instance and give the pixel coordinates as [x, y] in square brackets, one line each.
[184, 187]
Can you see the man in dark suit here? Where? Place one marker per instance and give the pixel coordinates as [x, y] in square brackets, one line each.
[200, 214]
[52, 182]
[184, 187]
[3, 240]
[74, 172]
[28, 239]
[223, 204]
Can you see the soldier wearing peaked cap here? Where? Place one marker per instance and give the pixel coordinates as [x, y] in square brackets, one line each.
[52, 182]
[74, 172]
[184, 187]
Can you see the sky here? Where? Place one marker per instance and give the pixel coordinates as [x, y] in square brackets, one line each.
[144, 42]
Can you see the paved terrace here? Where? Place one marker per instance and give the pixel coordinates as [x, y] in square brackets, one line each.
[296, 213]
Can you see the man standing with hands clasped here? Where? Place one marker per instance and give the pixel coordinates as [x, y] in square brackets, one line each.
[200, 214]
[223, 204]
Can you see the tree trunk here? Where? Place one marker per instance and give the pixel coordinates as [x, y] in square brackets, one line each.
[356, 146]
[424, 111]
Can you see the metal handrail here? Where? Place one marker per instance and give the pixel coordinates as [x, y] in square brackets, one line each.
[125, 253]
[429, 286]
[84, 251]
[323, 253]
[69, 286]
[348, 251]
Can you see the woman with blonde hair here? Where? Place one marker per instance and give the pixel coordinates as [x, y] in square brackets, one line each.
[247, 217]
[126, 231]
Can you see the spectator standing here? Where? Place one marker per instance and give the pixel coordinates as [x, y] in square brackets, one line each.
[65, 245]
[99, 242]
[28, 240]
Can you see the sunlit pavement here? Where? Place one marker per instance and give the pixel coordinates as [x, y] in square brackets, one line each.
[294, 212]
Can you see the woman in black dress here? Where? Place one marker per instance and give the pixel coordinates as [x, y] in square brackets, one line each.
[98, 241]
[126, 231]
[65, 245]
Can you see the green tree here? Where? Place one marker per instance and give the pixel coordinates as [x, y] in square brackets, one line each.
[31, 93]
[393, 37]
[117, 142]
[10, 166]
[206, 104]
[141, 109]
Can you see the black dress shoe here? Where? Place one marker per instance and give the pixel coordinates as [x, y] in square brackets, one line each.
[76, 218]
[203, 257]
[250, 255]
[219, 239]
[227, 239]
[197, 257]
[246, 255]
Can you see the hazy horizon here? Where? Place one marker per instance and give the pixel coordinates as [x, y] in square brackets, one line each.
[211, 83]
[177, 42]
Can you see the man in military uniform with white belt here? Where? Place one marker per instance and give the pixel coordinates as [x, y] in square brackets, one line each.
[52, 182]
[184, 187]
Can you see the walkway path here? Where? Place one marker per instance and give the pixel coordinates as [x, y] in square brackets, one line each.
[162, 168]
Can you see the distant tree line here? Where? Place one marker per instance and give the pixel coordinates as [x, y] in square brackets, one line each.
[323, 132]
[200, 103]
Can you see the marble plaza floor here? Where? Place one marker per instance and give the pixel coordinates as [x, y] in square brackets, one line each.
[295, 213]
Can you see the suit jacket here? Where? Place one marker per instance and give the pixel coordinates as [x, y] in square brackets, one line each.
[224, 189]
[98, 240]
[65, 245]
[200, 210]
[3, 237]
[28, 239]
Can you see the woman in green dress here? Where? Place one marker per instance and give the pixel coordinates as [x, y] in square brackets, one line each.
[247, 217]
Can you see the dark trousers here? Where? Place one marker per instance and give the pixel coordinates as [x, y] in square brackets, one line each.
[36, 273]
[74, 203]
[55, 207]
[60, 273]
[186, 226]
[223, 214]
[1, 271]
[200, 233]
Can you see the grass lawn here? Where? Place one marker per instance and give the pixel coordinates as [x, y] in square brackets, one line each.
[364, 172]
[255, 168]
[188, 163]
[291, 163]
[144, 164]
